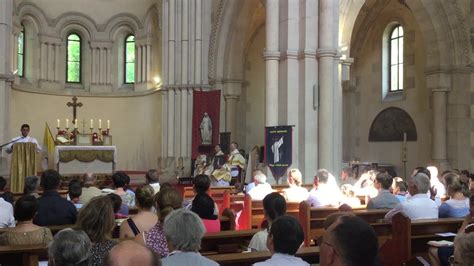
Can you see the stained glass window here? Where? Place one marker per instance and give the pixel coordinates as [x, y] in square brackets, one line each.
[129, 66]
[73, 66]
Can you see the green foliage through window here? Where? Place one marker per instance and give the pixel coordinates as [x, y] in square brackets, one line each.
[73, 74]
[129, 69]
[21, 53]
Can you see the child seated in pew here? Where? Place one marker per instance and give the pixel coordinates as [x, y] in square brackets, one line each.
[25, 232]
[74, 193]
[284, 239]
[274, 206]
[204, 206]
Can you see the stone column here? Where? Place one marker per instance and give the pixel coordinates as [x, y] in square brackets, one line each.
[348, 91]
[326, 53]
[439, 141]
[232, 92]
[6, 76]
[271, 56]
[308, 82]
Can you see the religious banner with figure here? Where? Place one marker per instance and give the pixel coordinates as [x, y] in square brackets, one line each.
[205, 129]
[278, 149]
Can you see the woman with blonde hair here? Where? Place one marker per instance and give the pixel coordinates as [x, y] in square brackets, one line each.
[166, 201]
[145, 219]
[97, 220]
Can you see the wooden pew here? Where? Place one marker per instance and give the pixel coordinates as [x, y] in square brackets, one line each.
[62, 192]
[27, 255]
[252, 215]
[312, 219]
[308, 254]
[226, 241]
[54, 228]
[212, 243]
[409, 237]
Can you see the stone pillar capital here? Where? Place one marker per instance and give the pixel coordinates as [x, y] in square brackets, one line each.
[101, 44]
[326, 53]
[271, 55]
[440, 89]
[289, 54]
[347, 61]
[49, 39]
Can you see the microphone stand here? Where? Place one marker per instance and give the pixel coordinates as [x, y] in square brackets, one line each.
[13, 141]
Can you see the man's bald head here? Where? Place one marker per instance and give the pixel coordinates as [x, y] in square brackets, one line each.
[129, 252]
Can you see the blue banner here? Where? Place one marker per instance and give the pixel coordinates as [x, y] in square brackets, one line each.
[278, 149]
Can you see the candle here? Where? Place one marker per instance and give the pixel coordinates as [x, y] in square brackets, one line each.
[404, 137]
[92, 123]
[67, 123]
[100, 123]
[75, 123]
[58, 124]
[108, 124]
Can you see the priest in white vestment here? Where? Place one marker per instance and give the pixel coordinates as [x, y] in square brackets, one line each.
[25, 130]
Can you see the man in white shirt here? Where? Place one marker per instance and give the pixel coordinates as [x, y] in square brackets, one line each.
[295, 193]
[284, 239]
[261, 189]
[323, 194]
[25, 130]
[6, 214]
[419, 205]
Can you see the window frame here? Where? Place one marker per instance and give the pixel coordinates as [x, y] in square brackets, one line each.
[400, 61]
[125, 60]
[22, 53]
[80, 57]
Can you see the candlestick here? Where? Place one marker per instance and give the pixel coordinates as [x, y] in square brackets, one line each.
[92, 123]
[100, 123]
[58, 126]
[108, 124]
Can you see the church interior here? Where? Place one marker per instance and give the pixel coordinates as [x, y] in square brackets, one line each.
[271, 69]
[359, 82]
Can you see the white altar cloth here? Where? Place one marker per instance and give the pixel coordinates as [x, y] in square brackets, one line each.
[78, 167]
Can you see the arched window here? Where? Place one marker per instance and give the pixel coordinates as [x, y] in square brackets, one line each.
[21, 53]
[73, 64]
[396, 59]
[129, 59]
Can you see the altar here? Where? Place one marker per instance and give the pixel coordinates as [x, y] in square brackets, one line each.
[74, 160]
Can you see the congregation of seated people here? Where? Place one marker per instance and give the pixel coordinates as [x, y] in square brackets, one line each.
[167, 230]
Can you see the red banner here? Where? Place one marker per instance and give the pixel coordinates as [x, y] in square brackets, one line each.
[205, 102]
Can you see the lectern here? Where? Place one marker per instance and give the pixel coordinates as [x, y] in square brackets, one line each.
[23, 164]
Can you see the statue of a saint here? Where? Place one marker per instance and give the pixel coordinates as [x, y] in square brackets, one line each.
[206, 129]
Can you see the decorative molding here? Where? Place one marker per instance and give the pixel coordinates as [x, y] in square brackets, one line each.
[84, 93]
[213, 40]
[462, 32]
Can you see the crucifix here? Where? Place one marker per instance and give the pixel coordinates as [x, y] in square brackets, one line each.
[74, 104]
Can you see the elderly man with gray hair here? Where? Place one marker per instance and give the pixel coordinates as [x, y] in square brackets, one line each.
[184, 231]
[262, 188]
[419, 205]
[70, 247]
